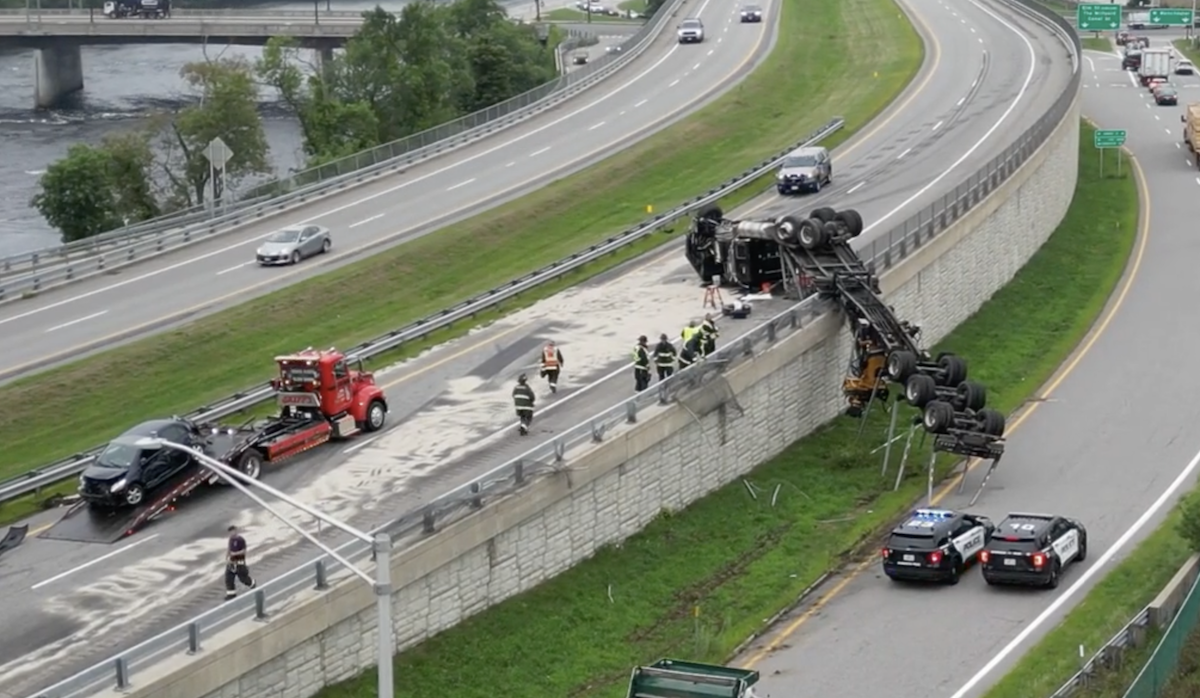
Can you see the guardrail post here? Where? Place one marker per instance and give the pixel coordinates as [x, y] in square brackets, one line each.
[771, 334]
[260, 605]
[560, 450]
[664, 398]
[193, 637]
[747, 347]
[476, 499]
[428, 525]
[631, 412]
[519, 472]
[122, 668]
[597, 432]
[322, 576]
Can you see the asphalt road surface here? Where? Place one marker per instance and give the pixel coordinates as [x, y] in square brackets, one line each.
[658, 88]
[1112, 445]
[74, 604]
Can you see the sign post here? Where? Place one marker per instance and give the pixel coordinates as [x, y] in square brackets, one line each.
[1171, 16]
[1109, 138]
[218, 154]
[1095, 17]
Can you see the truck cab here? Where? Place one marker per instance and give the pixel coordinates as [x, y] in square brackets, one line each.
[672, 678]
[326, 385]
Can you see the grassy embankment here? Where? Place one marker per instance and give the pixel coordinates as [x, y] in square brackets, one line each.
[697, 582]
[1098, 44]
[793, 92]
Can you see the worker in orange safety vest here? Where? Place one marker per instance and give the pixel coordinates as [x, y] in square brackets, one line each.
[552, 363]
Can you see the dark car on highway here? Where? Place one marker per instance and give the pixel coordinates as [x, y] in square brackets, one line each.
[1033, 550]
[1166, 95]
[935, 545]
[128, 468]
[751, 13]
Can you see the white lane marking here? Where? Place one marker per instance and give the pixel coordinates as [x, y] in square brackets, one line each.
[1033, 64]
[367, 220]
[510, 164]
[959, 103]
[855, 188]
[1092, 571]
[972, 30]
[674, 83]
[710, 52]
[359, 445]
[901, 155]
[234, 268]
[460, 184]
[337, 209]
[539, 152]
[93, 561]
[938, 125]
[1158, 118]
[76, 321]
[696, 67]
[1090, 62]
[593, 128]
[640, 103]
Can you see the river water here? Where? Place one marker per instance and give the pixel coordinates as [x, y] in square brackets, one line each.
[121, 85]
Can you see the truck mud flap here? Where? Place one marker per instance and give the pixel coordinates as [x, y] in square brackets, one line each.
[86, 524]
[14, 537]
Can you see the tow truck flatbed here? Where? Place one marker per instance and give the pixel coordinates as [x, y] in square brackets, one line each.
[672, 678]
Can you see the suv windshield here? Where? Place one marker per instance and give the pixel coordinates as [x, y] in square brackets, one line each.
[751, 8]
[800, 161]
[118, 454]
[691, 24]
[289, 235]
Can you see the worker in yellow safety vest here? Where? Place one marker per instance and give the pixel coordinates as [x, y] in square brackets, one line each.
[691, 336]
[552, 363]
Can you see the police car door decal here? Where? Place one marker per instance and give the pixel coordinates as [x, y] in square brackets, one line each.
[970, 542]
[1067, 546]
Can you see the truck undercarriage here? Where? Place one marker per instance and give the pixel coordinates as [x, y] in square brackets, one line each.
[804, 257]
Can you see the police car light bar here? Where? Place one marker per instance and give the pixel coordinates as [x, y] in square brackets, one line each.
[938, 514]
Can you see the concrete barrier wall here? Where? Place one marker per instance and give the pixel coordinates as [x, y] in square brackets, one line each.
[672, 457]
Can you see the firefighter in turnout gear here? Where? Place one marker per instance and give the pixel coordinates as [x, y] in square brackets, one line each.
[641, 365]
[687, 355]
[552, 363]
[664, 357]
[708, 335]
[236, 569]
[691, 335]
[523, 401]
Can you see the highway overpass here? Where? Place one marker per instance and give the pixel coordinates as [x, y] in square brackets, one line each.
[58, 36]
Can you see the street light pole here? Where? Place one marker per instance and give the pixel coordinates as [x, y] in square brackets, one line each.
[381, 546]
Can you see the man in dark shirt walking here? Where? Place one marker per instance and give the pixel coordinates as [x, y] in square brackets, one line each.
[523, 401]
[236, 569]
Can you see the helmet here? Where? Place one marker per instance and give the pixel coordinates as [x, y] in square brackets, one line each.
[642, 339]
[662, 337]
[521, 379]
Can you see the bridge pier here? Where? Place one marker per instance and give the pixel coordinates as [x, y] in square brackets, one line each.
[58, 71]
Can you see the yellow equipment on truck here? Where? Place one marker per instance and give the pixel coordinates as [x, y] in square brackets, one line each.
[1191, 129]
[671, 678]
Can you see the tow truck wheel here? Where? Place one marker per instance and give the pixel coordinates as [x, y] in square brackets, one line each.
[954, 370]
[852, 220]
[250, 464]
[811, 234]
[920, 390]
[901, 365]
[376, 414]
[972, 395]
[992, 422]
[135, 494]
[938, 417]
[823, 214]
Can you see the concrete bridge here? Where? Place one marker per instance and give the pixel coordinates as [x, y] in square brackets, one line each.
[57, 35]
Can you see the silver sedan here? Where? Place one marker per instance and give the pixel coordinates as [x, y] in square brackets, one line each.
[290, 245]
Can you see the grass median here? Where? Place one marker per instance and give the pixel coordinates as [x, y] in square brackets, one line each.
[796, 90]
[696, 583]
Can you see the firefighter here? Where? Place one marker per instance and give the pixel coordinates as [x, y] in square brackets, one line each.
[687, 355]
[664, 357]
[708, 335]
[236, 569]
[641, 364]
[523, 400]
[552, 363]
[689, 333]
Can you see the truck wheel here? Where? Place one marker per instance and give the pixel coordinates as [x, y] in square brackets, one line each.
[823, 214]
[712, 213]
[135, 494]
[992, 422]
[920, 390]
[852, 220]
[250, 464]
[811, 234]
[938, 417]
[901, 364]
[376, 416]
[972, 395]
[787, 230]
[954, 370]
[832, 230]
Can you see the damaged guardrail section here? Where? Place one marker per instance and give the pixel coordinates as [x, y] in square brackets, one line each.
[534, 468]
[32, 272]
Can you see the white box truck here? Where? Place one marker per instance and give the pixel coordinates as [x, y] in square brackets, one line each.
[1156, 63]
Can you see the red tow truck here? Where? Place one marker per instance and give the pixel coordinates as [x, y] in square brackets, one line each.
[322, 396]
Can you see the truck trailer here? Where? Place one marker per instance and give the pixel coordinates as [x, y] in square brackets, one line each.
[145, 9]
[1155, 63]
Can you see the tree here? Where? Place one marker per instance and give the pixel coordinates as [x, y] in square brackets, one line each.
[227, 108]
[97, 188]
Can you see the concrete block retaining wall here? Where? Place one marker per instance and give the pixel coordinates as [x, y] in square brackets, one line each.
[612, 490]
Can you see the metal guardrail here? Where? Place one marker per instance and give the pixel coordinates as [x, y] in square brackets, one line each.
[546, 458]
[33, 271]
[1108, 656]
[34, 13]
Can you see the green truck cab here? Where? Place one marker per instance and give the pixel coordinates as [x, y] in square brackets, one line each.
[671, 678]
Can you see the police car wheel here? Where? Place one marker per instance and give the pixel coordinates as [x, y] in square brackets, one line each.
[955, 572]
[1053, 581]
[1082, 549]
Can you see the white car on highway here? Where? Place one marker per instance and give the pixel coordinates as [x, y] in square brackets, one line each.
[1185, 67]
[290, 245]
[691, 31]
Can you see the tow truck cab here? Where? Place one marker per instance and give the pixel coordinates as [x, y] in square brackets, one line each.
[326, 386]
[672, 678]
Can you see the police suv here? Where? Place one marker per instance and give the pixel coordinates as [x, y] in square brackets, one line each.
[935, 545]
[1033, 549]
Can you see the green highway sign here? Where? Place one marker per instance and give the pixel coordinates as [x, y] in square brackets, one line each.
[1096, 17]
[1111, 138]
[1171, 16]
